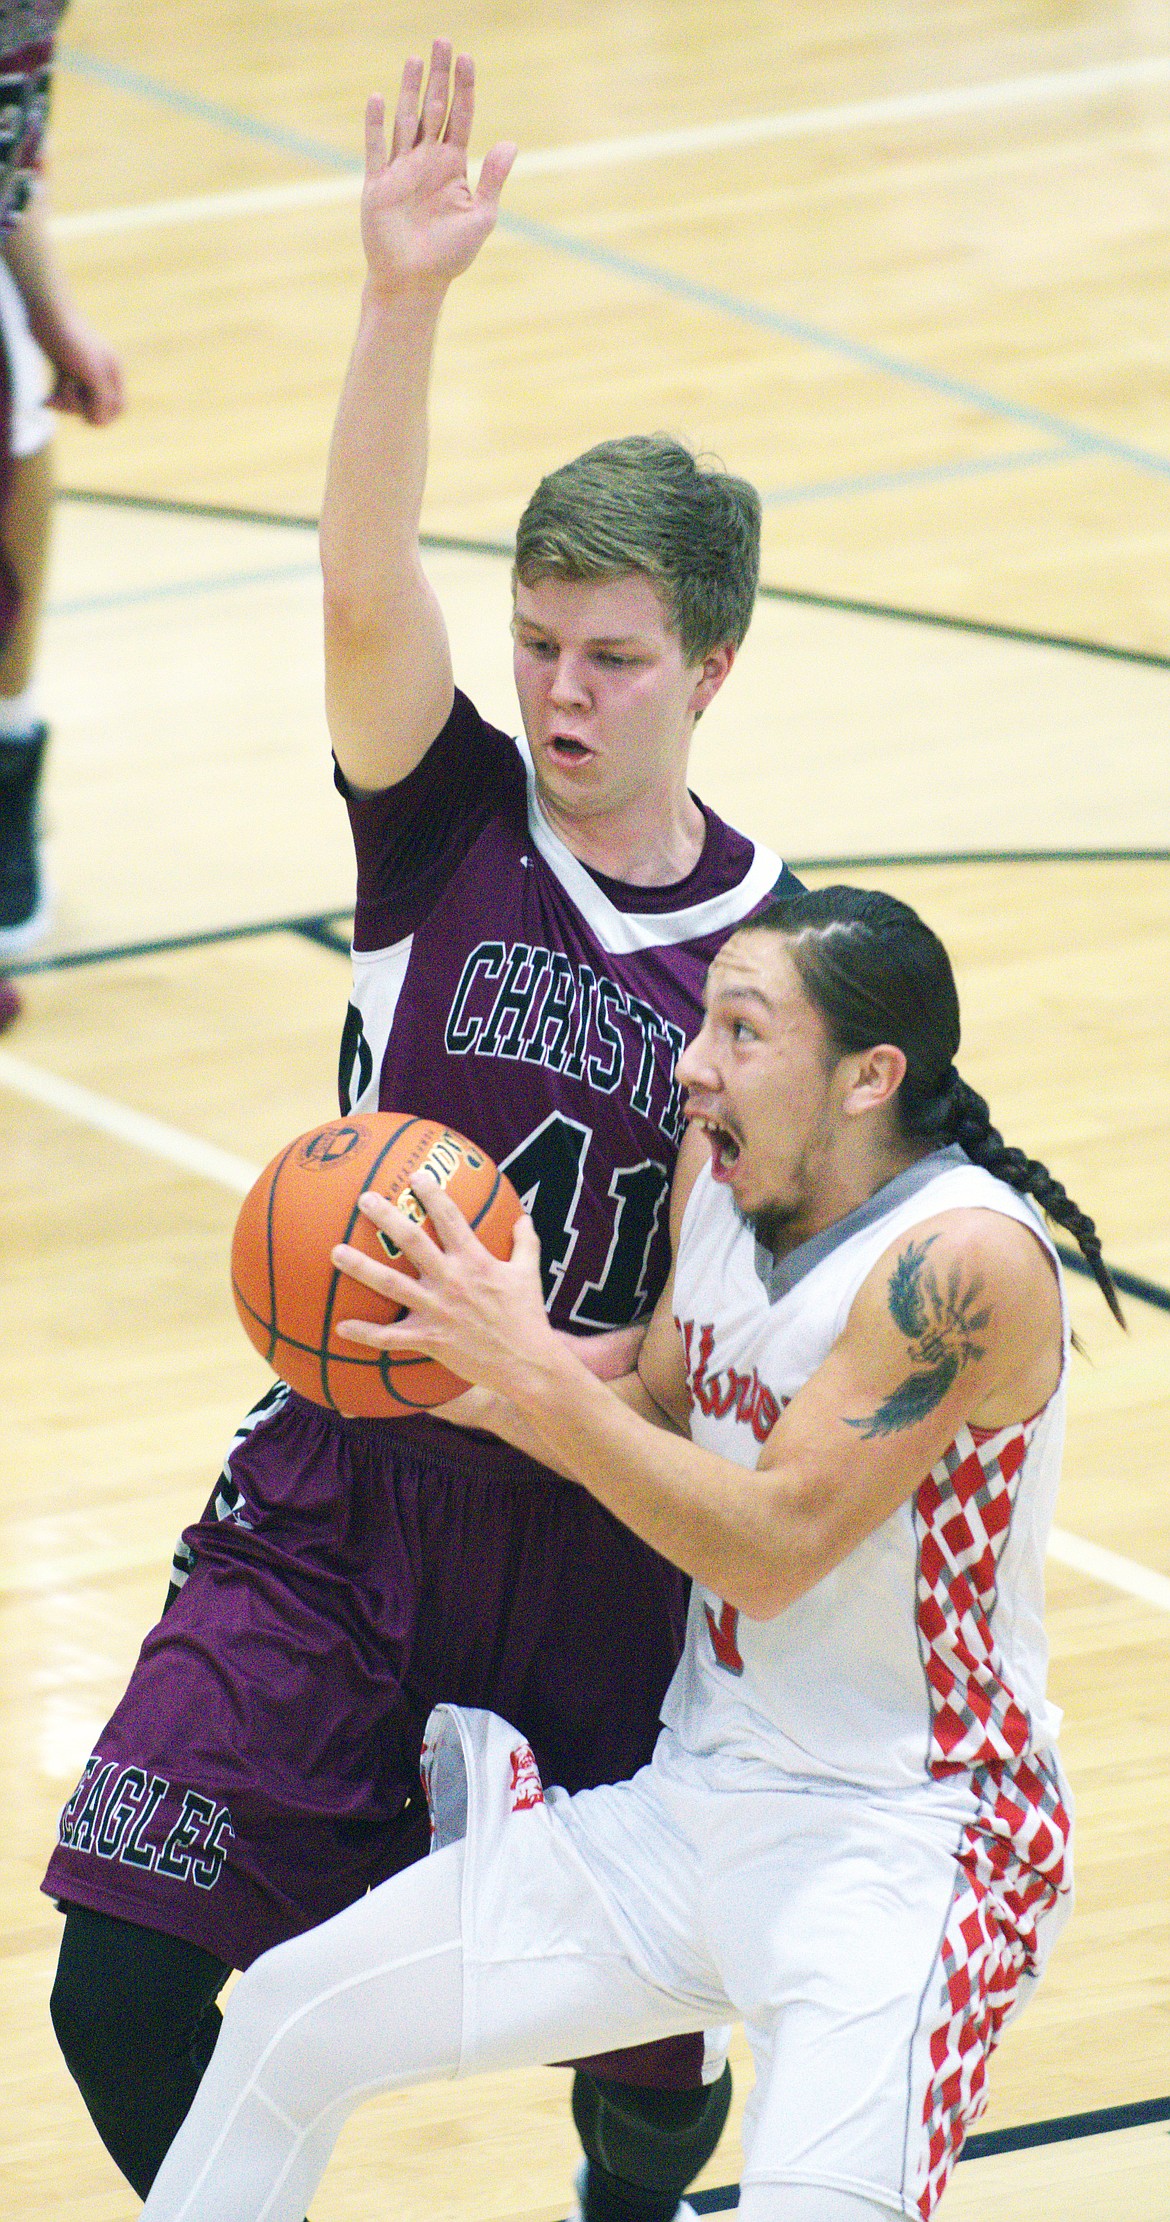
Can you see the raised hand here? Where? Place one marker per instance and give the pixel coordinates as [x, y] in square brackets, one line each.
[422, 223]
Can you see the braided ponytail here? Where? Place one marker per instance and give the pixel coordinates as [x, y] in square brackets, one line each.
[962, 1116]
[876, 973]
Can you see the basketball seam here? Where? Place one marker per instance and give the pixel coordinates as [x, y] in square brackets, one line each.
[312, 1349]
[327, 1315]
[280, 1343]
[273, 1331]
[330, 1301]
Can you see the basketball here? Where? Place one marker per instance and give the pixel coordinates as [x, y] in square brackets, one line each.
[289, 1293]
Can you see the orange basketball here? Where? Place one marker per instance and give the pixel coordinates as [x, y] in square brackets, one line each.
[288, 1292]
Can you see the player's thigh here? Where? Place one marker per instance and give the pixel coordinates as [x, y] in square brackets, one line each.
[247, 1783]
[398, 1990]
[553, 1926]
[832, 1945]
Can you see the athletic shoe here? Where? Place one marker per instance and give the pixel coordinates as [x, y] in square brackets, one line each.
[9, 1003]
[24, 906]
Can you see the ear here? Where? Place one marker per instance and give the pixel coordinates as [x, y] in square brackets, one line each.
[877, 1075]
[712, 674]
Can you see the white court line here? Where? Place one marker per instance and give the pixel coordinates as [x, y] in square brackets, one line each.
[202, 208]
[238, 1174]
[135, 1127]
[590, 154]
[1109, 1567]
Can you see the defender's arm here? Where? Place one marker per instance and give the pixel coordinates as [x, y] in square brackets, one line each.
[388, 679]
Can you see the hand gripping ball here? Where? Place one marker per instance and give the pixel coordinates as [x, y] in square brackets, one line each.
[288, 1292]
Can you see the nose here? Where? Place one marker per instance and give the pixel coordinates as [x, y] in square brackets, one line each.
[696, 1067]
[567, 686]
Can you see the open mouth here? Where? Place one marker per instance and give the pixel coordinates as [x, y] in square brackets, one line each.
[725, 1147]
[567, 751]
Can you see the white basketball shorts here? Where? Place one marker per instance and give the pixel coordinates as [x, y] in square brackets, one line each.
[870, 1957]
[30, 426]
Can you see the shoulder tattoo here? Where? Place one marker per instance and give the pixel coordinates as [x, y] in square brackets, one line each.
[941, 1325]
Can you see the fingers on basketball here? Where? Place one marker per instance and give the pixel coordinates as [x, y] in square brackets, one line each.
[292, 1297]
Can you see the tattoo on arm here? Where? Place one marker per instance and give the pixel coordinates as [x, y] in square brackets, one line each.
[940, 1325]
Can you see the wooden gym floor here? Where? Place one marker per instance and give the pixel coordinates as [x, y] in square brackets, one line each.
[906, 271]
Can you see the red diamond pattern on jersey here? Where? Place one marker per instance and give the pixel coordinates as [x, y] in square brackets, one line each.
[962, 1515]
[1013, 1869]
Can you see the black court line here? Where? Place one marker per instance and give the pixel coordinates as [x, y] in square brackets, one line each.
[984, 627]
[224, 514]
[801, 596]
[313, 929]
[324, 927]
[1130, 1284]
[1064, 2127]
[331, 930]
[330, 933]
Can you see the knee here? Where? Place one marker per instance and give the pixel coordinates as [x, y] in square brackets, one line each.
[654, 2140]
[275, 2033]
[124, 1996]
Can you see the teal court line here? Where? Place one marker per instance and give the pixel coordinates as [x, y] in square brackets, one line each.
[84, 605]
[927, 474]
[1078, 439]
[118, 78]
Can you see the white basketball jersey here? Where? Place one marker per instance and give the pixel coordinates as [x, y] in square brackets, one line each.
[922, 1656]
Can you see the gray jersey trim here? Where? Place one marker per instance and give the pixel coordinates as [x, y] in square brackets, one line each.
[780, 1275]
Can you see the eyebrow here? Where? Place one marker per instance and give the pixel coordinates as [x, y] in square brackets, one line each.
[742, 995]
[596, 640]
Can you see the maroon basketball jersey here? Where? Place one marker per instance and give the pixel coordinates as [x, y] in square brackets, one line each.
[26, 53]
[502, 987]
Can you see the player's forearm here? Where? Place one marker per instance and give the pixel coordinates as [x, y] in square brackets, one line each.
[524, 1431]
[378, 456]
[721, 1523]
[29, 253]
[387, 663]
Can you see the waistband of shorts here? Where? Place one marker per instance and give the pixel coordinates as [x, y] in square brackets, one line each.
[456, 1452]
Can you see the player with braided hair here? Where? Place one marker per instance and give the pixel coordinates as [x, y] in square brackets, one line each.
[843, 939]
[970, 1126]
[845, 1426]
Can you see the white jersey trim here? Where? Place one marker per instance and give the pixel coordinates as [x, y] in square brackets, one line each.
[379, 976]
[623, 933]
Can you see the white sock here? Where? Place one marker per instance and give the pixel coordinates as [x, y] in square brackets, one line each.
[19, 715]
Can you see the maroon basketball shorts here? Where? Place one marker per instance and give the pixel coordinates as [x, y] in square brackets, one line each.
[261, 1771]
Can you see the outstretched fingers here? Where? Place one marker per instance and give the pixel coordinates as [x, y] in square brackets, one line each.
[459, 121]
[434, 106]
[376, 134]
[493, 174]
[406, 111]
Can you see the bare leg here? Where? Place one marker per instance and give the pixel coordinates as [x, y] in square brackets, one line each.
[26, 544]
[25, 534]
